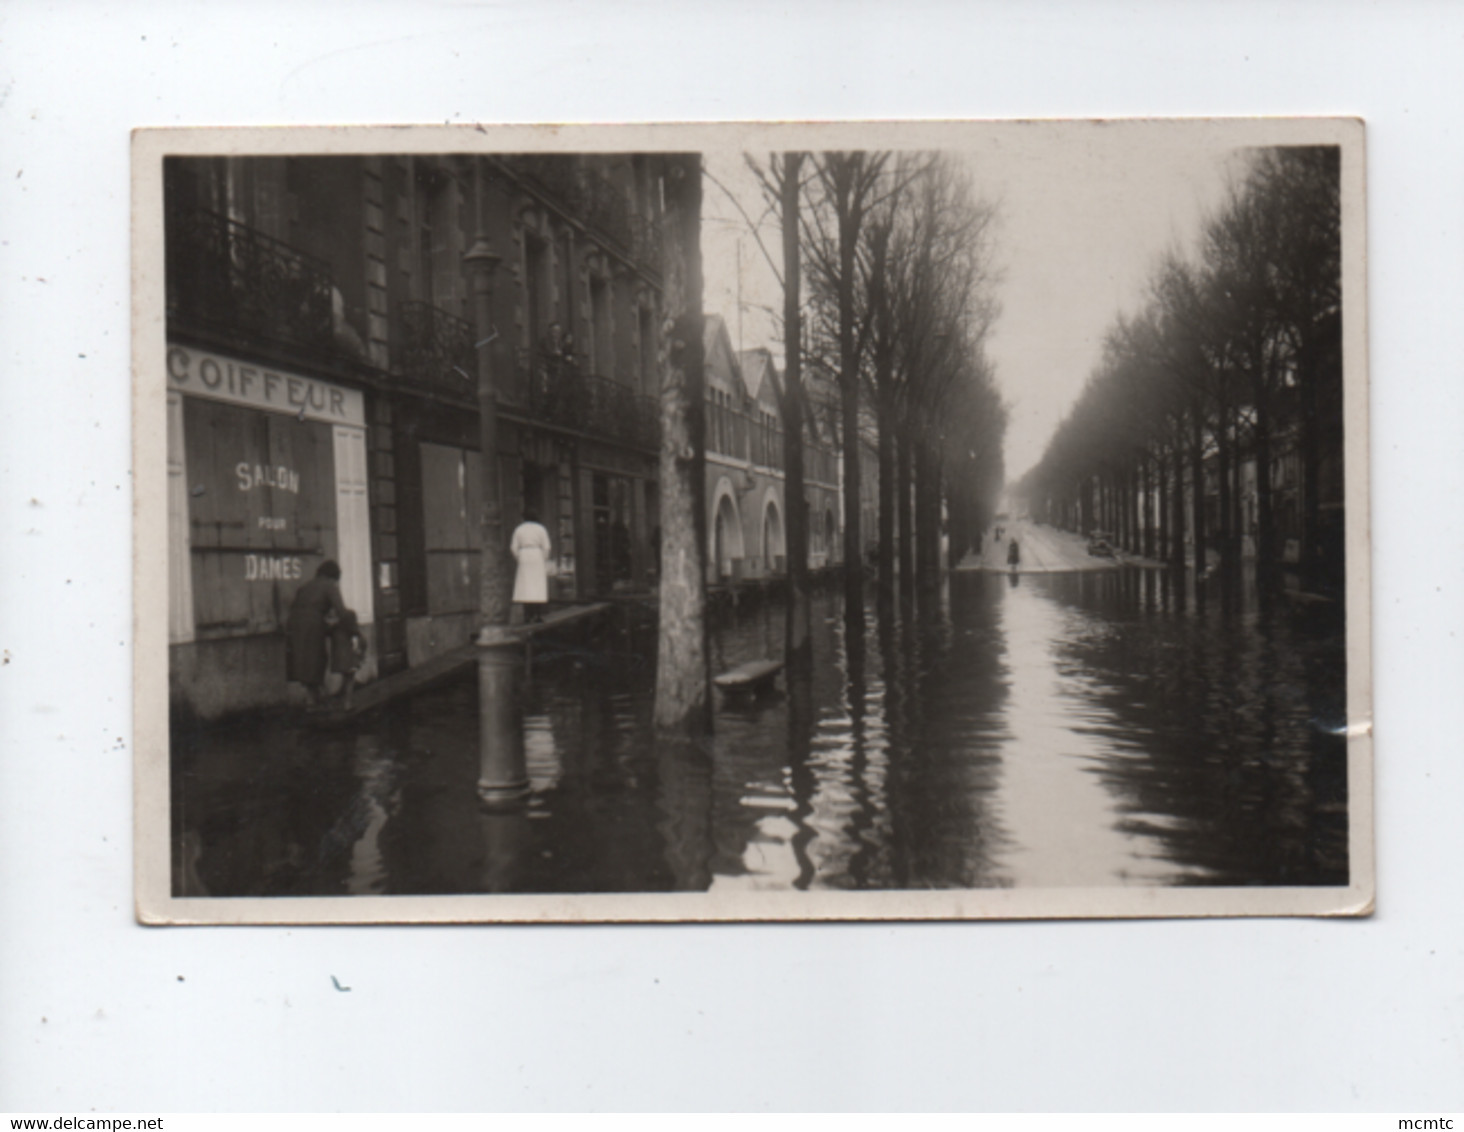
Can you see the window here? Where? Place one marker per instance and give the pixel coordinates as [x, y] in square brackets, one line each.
[451, 494]
[536, 257]
[262, 498]
[436, 266]
[602, 347]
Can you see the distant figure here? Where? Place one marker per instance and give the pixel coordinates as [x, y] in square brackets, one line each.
[531, 549]
[317, 607]
[347, 651]
[1014, 555]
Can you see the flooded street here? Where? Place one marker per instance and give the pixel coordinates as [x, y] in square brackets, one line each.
[1066, 729]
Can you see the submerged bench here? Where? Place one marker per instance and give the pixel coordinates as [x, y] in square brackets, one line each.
[754, 677]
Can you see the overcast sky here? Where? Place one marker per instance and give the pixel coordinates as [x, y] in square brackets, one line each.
[1081, 223]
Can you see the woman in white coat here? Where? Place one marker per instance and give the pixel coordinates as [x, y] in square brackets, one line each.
[531, 551]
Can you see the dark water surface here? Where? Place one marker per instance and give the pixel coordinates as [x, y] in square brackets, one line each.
[1065, 729]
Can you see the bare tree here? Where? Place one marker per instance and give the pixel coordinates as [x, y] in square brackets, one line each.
[683, 677]
[1236, 360]
[781, 186]
[850, 185]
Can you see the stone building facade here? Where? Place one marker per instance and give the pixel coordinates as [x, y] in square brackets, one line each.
[322, 393]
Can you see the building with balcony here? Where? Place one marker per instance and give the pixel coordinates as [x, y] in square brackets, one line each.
[322, 393]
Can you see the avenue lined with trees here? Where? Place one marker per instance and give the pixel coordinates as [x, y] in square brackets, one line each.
[887, 279]
[1211, 431]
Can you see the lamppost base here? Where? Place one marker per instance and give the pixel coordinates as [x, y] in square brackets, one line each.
[503, 777]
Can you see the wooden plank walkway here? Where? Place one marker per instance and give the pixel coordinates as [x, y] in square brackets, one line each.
[750, 678]
[370, 696]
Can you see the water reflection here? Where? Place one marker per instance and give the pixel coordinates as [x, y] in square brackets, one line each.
[1116, 727]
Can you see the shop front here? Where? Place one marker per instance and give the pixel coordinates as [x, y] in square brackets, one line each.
[267, 479]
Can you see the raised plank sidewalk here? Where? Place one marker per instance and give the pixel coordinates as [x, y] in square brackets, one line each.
[370, 696]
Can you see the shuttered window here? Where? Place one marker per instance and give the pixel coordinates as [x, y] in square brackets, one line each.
[261, 513]
[451, 504]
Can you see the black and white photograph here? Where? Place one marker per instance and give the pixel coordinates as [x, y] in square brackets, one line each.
[746, 522]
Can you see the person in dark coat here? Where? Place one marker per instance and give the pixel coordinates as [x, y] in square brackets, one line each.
[316, 609]
[1014, 555]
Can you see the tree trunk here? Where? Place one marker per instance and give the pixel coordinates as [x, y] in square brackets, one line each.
[1225, 459]
[1127, 483]
[683, 683]
[1311, 463]
[887, 518]
[907, 519]
[849, 384]
[1131, 506]
[1265, 537]
[1176, 545]
[927, 523]
[1164, 518]
[1147, 486]
[797, 638]
[1197, 486]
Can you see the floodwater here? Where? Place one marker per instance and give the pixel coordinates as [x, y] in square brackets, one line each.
[1043, 730]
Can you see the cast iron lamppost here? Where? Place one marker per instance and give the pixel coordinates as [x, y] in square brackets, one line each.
[502, 772]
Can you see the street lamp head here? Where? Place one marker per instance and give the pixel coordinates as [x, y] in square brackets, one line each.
[482, 257]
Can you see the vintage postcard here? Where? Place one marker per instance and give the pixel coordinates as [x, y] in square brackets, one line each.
[924, 520]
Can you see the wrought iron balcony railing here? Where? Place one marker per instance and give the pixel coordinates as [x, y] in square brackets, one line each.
[435, 349]
[596, 200]
[225, 275]
[558, 392]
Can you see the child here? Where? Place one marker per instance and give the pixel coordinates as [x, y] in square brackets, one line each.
[347, 651]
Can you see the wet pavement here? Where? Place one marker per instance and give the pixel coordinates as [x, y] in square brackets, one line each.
[1099, 728]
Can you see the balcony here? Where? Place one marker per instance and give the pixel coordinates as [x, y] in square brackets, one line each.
[435, 350]
[223, 275]
[556, 391]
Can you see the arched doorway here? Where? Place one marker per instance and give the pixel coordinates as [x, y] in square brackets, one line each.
[772, 539]
[727, 549]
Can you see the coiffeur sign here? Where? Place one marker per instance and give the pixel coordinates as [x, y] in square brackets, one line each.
[202, 374]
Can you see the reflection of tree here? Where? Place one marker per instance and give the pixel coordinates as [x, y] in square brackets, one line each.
[946, 755]
[801, 722]
[901, 765]
[684, 770]
[1210, 724]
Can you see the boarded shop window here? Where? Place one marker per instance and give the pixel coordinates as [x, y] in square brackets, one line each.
[451, 494]
[262, 513]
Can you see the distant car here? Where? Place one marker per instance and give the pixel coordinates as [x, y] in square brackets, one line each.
[1099, 546]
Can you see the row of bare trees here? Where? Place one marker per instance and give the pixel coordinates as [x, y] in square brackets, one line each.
[896, 252]
[886, 269]
[1214, 421]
